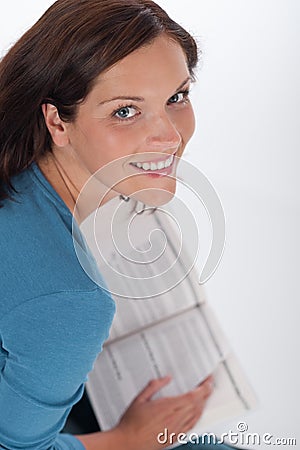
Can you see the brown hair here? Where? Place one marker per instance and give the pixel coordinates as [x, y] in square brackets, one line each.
[57, 61]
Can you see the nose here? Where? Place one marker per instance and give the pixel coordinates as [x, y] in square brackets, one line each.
[163, 133]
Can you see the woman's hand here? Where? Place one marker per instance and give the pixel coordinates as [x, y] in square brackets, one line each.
[146, 418]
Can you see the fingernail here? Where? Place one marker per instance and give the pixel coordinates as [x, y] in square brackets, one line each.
[210, 385]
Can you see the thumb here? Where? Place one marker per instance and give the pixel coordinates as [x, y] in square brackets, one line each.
[152, 387]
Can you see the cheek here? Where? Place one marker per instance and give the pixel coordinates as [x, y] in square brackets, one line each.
[99, 146]
[187, 124]
[118, 141]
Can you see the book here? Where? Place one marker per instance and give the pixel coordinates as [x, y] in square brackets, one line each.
[163, 323]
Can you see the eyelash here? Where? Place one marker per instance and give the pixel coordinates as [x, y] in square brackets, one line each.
[183, 101]
[185, 93]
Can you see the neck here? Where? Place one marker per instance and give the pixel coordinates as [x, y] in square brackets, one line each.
[68, 180]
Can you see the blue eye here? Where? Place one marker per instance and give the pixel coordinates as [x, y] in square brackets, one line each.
[180, 97]
[126, 112]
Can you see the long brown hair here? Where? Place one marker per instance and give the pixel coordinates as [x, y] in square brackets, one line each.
[57, 61]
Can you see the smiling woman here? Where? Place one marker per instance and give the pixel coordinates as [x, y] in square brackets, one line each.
[130, 119]
[101, 88]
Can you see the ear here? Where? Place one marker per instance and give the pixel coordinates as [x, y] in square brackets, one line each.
[57, 128]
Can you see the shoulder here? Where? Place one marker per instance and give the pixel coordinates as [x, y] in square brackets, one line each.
[36, 245]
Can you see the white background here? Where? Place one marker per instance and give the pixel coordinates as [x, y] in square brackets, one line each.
[247, 143]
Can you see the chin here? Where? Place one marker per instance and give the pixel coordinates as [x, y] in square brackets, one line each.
[154, 197]
[152, 193]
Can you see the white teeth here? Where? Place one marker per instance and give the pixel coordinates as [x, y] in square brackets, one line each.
[155, 166]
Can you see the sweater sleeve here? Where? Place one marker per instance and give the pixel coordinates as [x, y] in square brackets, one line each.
[50, 344]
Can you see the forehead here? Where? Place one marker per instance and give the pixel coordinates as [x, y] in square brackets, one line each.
[161, 64]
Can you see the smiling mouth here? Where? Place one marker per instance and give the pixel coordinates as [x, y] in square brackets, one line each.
[154, 166]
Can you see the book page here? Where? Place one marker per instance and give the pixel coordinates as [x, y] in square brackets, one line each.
[163, 324]
[144, 265]
[125, 366]
[133, 315]
[232, 397]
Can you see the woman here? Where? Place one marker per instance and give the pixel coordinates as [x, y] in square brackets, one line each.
[93, 82]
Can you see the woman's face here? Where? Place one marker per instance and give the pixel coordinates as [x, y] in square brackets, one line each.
[136, 117]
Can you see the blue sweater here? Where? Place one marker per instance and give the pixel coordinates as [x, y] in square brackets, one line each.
[53, 317]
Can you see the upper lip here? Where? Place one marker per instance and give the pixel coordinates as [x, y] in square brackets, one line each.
[157, 160]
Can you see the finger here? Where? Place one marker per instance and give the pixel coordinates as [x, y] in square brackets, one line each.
[206, 387]
[192, 398]
[182, 423]
[193, 417]
[209, 379]
[189, 424]
[152, 387]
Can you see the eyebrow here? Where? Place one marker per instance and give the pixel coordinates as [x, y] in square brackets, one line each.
[139, 99]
